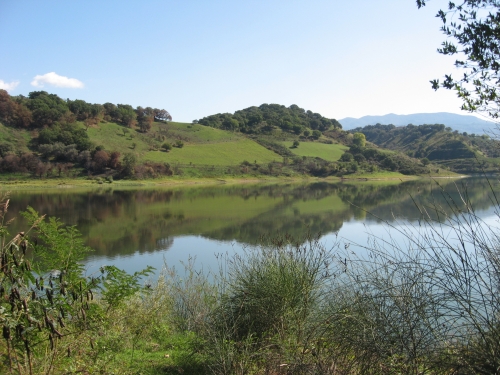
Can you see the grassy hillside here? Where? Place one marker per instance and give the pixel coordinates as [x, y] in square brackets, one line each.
[223, 153]
[202, 145]
[461, 152]
[17, 139]
[329, 152]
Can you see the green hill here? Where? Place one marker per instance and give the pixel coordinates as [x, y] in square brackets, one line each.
[461, 152]
[45, 136]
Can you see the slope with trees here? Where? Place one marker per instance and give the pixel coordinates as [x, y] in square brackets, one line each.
[438, 144]
[44, 136]
[268, 117]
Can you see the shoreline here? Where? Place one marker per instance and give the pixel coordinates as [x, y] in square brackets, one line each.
[180, 182]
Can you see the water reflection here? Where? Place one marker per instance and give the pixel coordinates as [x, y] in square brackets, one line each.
[117, 223]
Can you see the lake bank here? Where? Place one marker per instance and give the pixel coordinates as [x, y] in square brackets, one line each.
[71, 183]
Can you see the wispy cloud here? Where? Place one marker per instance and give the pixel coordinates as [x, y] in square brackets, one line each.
[8, 86]
[56, 80]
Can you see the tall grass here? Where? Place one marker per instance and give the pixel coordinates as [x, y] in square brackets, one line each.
[429, 304]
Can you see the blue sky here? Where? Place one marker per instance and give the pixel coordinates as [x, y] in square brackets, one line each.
[200, 57]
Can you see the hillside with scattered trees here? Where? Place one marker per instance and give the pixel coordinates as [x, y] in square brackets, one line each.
[438, 144]
[44, 136]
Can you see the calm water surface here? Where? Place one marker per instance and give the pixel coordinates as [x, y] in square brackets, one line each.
[135, 228]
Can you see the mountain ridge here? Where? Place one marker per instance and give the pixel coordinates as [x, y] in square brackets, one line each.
[462, 123]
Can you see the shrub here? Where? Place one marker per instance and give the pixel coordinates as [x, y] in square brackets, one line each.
[50, 310]
[271, 295]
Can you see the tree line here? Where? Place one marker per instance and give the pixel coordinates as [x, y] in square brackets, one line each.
[61, 147]
[41, 109]
[269, 117]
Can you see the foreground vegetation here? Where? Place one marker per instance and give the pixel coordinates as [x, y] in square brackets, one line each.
[291, 306]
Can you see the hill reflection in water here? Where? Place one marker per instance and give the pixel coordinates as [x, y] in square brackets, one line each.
[121, 223]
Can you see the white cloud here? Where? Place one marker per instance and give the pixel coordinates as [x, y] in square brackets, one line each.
[56, 80]
[8, 86]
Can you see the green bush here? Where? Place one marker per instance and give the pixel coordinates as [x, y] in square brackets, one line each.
[271, 295]
[52, 309]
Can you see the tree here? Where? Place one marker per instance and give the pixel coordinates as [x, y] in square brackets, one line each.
[14, 112]
[145, 117]
[295, 144]
[359, 139]
[101, 159]
[162, 115]
[67, 134]
[46, 108]
[474, 29]
[129, 162]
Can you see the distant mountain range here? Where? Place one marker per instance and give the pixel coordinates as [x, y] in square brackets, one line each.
[462, 123]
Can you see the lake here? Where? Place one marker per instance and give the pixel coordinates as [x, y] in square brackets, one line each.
[133, 228]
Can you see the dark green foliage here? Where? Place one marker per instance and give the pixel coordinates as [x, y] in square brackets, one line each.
[5, 148]
[65, 133]
[452, 150]
[274, 146]
[46, 108]
[58, 151]
[129, 162]
[434, 142]
[347, 157]
[83, 110]
[374, 159]
[316, 134]
[265, 118]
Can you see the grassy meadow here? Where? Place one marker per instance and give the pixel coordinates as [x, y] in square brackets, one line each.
[329, 152]
[201, 144]
[215, 153]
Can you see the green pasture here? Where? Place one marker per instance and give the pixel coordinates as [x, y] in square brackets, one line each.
[111, 136]
[202, 145]
[225, 153]
[192, 133]
[329, 152]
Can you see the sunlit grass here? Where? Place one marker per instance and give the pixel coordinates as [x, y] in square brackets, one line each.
[329, 152]
[226, 153]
